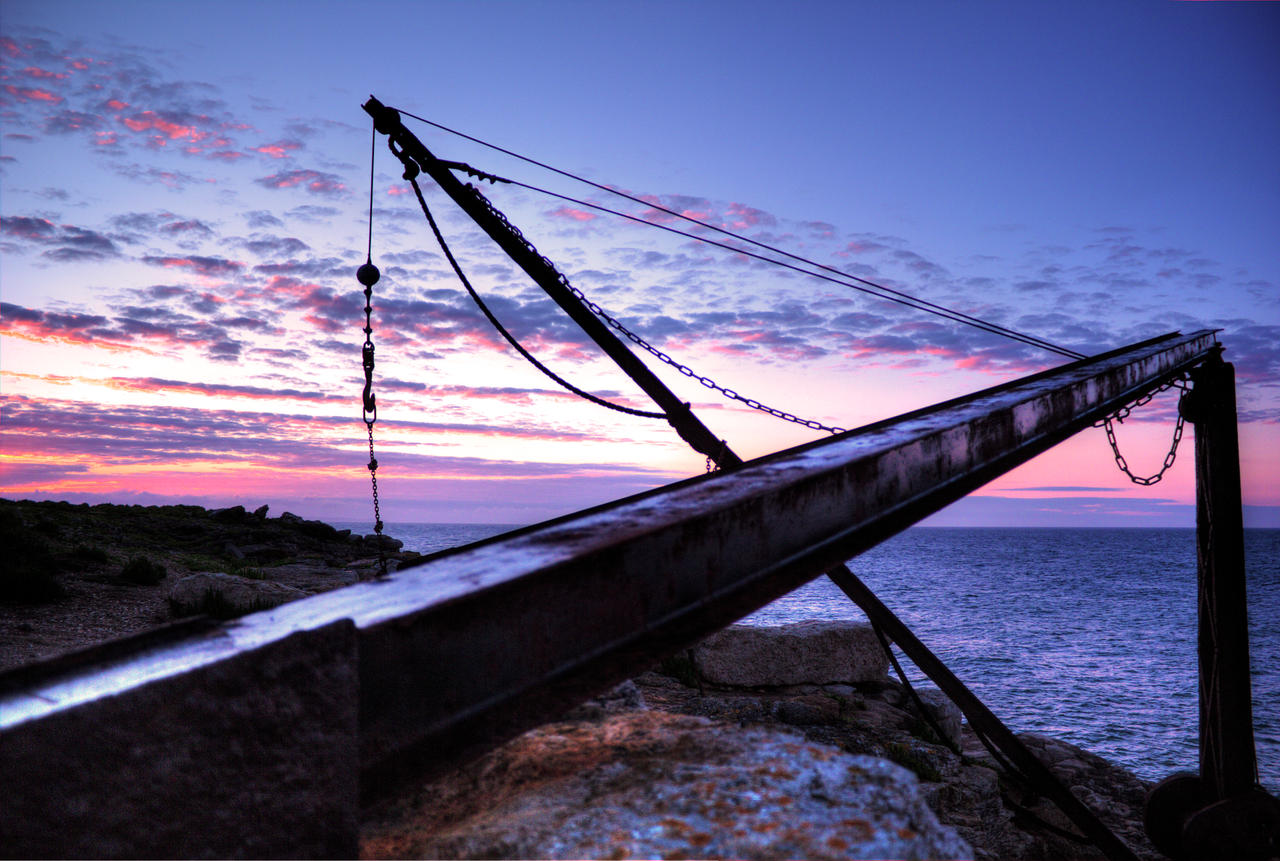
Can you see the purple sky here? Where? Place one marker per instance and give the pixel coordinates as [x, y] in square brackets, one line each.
[185, 191]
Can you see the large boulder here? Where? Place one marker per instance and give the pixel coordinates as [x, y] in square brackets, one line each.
[655, 785]
[945, 715]
[226, 596]
[805, 653]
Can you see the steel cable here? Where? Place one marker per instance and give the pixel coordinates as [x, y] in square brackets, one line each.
[836, 276]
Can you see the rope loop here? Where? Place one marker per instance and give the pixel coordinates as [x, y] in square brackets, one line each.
[480, 303]
[595, 309]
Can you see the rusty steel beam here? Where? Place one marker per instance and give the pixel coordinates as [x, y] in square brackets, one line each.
[477, 644]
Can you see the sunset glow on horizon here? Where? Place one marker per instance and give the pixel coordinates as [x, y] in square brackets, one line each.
[180, 320]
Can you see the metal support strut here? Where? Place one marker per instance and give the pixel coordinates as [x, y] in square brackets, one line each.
[387, 121]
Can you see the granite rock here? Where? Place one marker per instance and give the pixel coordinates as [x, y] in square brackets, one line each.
[968, 791]
[814, 652]
[649, 784]
[226, 595]
[945, 715]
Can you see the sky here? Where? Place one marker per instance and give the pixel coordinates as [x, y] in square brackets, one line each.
[184, 194]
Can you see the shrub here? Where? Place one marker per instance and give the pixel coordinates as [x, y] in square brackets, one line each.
[27, 575]
[917, 760]
[85, 553]
[48, 527]
[680, 668]
[143, 571]
[212, 604]
[246, 571]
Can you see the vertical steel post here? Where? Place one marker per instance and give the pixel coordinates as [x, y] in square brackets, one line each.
[1228, 764]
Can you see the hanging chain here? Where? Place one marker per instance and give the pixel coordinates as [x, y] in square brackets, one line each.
[368, 275]
[641, 342]
[370, 417]
[1123, 413]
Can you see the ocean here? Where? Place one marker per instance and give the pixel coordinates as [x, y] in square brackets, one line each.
[1088, 635]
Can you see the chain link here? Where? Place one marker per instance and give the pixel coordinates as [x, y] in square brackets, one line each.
[377, 507]
[641, 342]
[1121, 414]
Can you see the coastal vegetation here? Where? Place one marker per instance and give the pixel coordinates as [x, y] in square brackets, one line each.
[29, 574]
[79, 574]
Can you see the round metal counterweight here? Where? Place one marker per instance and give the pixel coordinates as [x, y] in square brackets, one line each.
[1244, 827]
[1169, 804]
[368, 274]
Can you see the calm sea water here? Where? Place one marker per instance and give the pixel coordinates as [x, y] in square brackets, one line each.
[1088, 635]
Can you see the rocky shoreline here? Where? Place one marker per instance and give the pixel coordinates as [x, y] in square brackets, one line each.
[759, 743]
[681, 762]
[76, 575]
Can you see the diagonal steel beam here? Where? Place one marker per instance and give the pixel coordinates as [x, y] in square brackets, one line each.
[475, 645]
[524, 626]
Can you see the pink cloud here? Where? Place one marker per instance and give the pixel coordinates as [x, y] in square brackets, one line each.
[72, 328]
[858, 246]
[150, 120]
[28, 227]
[189, 226]
[268, 447]
[279, 149]
[31, 94]
[155, 385]
[311, 180]
[740, 216]
[206, 266]
[572, 214]
[34, 72]
[290, 286]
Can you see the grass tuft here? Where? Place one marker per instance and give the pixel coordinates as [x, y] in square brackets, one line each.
[916, 760]
[680, 668]
[142, 571]
[85, 553]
